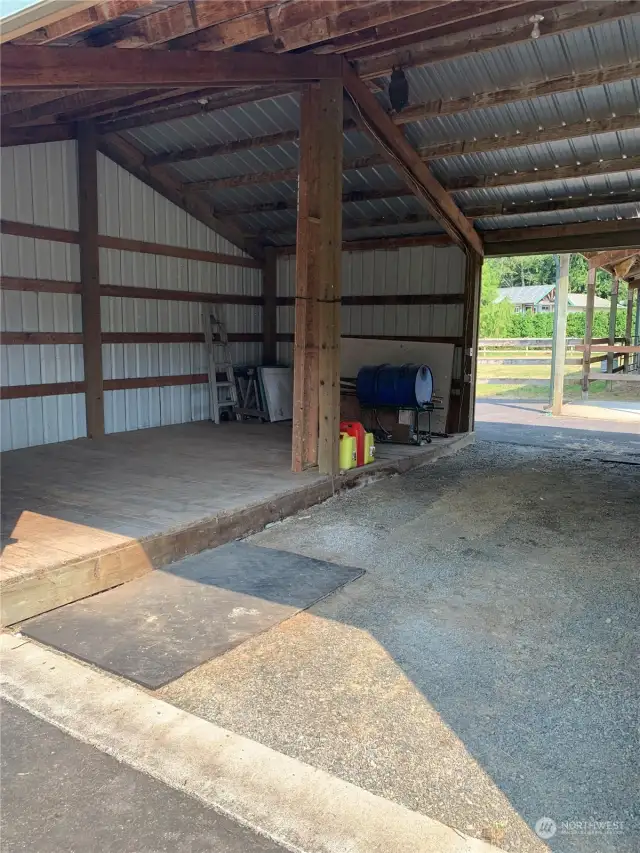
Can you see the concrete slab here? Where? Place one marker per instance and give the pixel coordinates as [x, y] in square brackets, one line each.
[484, 671]
[84, 516]
[83, 800]
[306, 810]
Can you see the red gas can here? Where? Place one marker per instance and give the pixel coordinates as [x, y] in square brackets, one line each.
[356, 429]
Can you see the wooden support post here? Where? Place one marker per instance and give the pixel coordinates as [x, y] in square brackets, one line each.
[559, 349]
[316, 397]
[627, 330]
[472, 284]
[90, 277]
[270, 308]
[613, 313]
[588, 330]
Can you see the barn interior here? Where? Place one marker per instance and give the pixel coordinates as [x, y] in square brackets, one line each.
[326, 177]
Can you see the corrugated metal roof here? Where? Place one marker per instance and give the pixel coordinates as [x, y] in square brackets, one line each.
[530, 295]
[587, 49]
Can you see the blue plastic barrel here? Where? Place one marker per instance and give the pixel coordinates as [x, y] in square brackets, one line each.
[405, 386]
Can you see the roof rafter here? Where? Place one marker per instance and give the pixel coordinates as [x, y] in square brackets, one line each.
[54, 68]
[495, 211]
[473, 211]
[175, 107]
[131, 159]
[179, 20]
[408, 163]
[466, 182]
[80, 21]
[443, 149]
[561, 20]
[432, 23]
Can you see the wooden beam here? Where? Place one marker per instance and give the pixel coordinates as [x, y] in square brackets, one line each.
[615, 377]
[561, 173]
[38, 285]
[147, 248]
[453, 17]
[50, 389]
[81, 21]
[526, 92]
[433, 152]
[261, 24]
[352, 18]
[138, 117]
[270, 308]
[564, 19]
[389, 243]
[38, 232]
[316, 399]
[176, 21]
[182, 106]
[559, 345]
[606, 259]
[52, 107]
[402, 156]
[577, 242]
[466, 182]
[224, 148]
[56, 68]
[610, 348]
[27, 20]
[530, 137]
[10, 136]
[628, 326]
[613, 313]
[61, 235]
[621, 269]
[588, 331]
[90, 277]
[329, 270]
[131, 159]
[465, 402]
[304, 446]
[123, 291]
[474, 211]
[40, 338]
[594, 227]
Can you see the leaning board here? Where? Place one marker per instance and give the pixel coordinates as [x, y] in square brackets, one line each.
[358, 352]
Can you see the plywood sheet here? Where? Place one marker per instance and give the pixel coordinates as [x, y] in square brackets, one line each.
[358, 352]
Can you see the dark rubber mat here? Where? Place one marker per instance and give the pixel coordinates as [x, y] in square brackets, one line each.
[154, 629]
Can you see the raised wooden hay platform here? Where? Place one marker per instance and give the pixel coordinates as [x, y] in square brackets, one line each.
[84, 516]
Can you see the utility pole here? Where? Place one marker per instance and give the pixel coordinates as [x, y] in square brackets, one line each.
[559, 347]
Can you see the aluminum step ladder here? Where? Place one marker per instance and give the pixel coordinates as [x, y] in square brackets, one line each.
[223, 394]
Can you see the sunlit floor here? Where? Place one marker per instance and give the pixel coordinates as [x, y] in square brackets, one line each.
[482, 671]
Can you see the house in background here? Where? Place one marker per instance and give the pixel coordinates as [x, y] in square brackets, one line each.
[540, 298]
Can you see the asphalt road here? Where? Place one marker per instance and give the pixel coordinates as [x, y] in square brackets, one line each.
[63, 796]
[526, 423]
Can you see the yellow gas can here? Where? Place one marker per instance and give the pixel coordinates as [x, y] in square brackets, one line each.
[369, 448]
[347, 451]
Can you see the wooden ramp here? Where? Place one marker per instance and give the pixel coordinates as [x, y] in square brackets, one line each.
[84, 516]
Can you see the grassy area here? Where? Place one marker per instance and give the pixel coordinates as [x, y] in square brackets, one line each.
[572, 389]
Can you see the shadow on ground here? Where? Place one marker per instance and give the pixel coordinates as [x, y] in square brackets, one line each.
[482, 671]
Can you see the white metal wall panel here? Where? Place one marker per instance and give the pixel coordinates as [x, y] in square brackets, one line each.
[40, 184]
[128, 208]
[411, 270]
[40, 420]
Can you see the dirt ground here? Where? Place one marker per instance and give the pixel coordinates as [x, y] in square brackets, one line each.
[483, 671]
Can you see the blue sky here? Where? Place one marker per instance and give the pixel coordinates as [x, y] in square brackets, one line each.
[8, 7]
